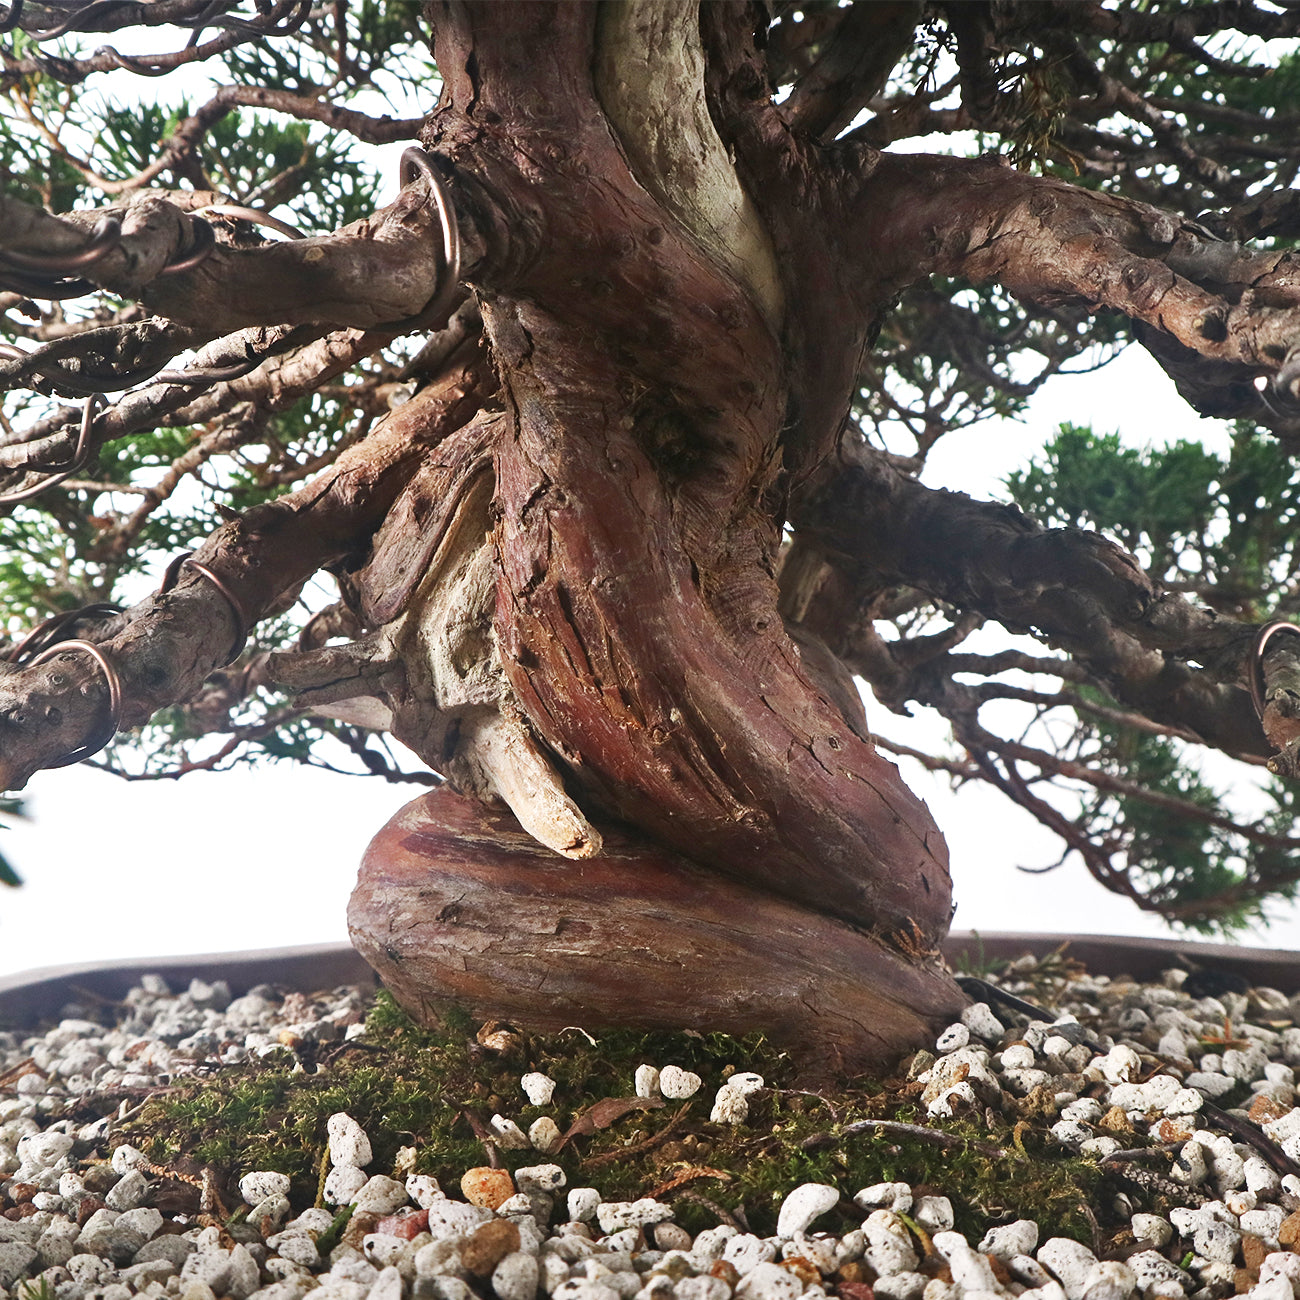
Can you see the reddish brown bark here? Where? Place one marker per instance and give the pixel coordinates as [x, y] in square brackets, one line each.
[457, 907]
[636, 604]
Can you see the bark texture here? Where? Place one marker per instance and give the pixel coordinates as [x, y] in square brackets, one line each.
[456, 907]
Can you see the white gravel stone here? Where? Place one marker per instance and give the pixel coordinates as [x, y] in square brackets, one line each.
[1152, 1228]
[1190, 1166]
[1156, 1275]
[348, 1142]
[16, 1257]
[1029, 1272]
[44, 1150]
[884, 1196]
[262, 1183]
[449, 1218]
[646, 1081]
[700, 1288]
[423, 1189]
[1018, 1056]
[711, 1244]
[807, 1202]
[900, 1286]
[540, 1178]
[1071, 1262]
[583, 1289]
[889, 1244]
[933, 1213]
[544, 1135]
[1264, 1222]
[507, 1134]
[747, 1252]
[970, 1269]
[978, 1017]
[1272, 1288]
[387, 1286]
[128, 1192]
[1120, 1065]
[615, 1215]
[1008, 1240]
[342, 1184]
[381, 1195]
[539, 1088]
[729, 1107]
[677, 1084]
[582, 1203]
[515, 1276]
[954, 1099]
[953, 1037]
[769, 1282]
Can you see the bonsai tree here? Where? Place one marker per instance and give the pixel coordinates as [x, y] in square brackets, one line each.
[607, 431]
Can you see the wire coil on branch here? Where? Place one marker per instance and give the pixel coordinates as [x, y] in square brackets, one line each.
[109, 729]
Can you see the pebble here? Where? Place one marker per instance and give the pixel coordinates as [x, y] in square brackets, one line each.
[538, 1088]
[84, 1230]
[677, 1084]
[806, 1203]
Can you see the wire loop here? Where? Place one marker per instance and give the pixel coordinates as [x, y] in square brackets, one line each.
[114, 683]
[80, 455]
[104, 238]
[1258, 686]
[205, 240]
[242, 622]
[50, 631]
[417, 163]
[237, 212]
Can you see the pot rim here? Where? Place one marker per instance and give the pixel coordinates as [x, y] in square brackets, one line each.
[27, 997]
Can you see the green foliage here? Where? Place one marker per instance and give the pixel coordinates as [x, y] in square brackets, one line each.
[1224, 528]
[1185, 863]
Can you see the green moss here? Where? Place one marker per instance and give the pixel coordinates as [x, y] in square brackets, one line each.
[429, 1089]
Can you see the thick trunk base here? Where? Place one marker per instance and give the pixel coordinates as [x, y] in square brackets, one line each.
[456, 906]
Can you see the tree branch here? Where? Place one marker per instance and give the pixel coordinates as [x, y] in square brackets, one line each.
[171, 641]
[385, 268]
[1075, 589]
[1050, 242]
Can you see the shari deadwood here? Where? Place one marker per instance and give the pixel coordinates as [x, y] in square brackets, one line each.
[608, 430]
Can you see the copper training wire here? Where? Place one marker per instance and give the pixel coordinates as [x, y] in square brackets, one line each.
[109, 730]
[80, 455]
[1256, 664]
[105, 237]
[416, 162]
[237, 212]
[49, 632]
[183, 561]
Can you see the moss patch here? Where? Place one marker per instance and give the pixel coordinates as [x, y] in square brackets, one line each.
[436, 1091]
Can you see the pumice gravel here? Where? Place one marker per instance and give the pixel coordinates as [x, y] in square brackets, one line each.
[1181, 1093]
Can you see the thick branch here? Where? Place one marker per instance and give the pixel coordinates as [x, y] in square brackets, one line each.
[171, 641]
[381, 269]
[1049, 242]
[1076, 589]
[854, 66]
